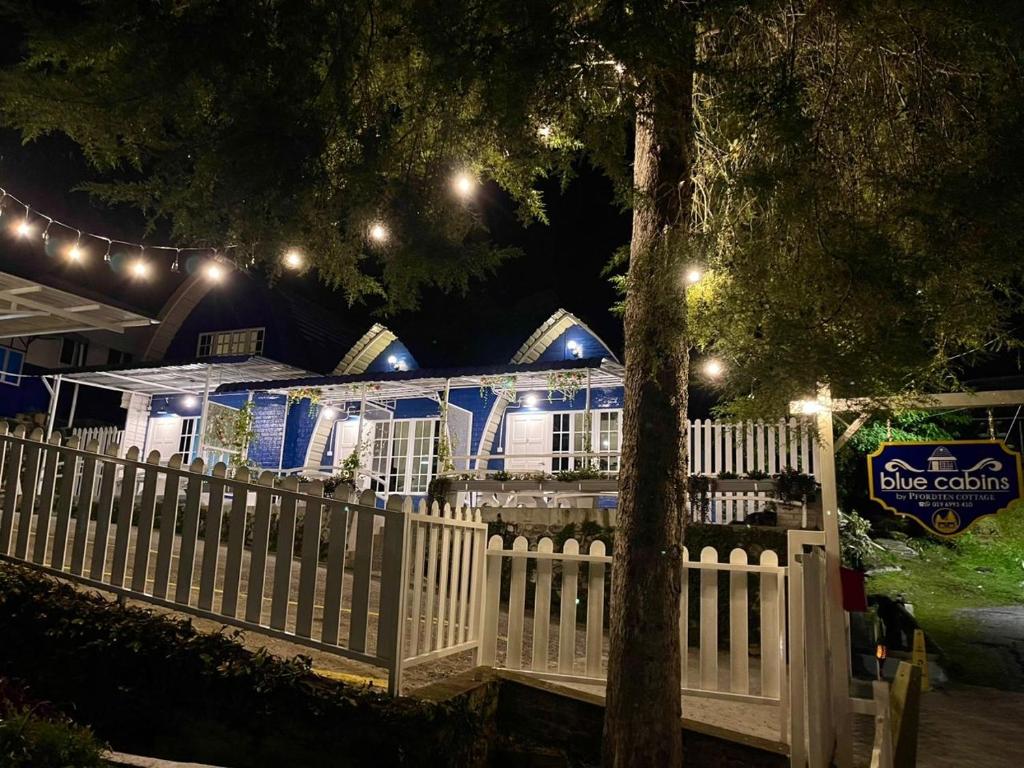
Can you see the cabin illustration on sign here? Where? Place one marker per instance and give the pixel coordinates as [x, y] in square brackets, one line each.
[941, 460]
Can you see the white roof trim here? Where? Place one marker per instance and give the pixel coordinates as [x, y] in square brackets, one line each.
[542, 339]
[365, 351]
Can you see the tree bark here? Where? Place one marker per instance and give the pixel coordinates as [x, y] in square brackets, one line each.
[643, 711]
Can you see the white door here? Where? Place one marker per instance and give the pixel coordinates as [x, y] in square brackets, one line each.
[529, 434]
[346, 438]
[165, 436]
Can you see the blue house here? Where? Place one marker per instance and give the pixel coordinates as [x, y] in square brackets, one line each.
[555, 406]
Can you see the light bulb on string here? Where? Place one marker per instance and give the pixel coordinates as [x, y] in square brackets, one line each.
[106, 256]
[46, 232]
[24, 229]
[176, 264]
[214, 272]
[139, 267]
[75, 252]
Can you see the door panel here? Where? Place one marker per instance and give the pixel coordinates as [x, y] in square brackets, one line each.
[528, 433]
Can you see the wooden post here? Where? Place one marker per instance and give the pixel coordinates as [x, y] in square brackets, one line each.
[838, 645]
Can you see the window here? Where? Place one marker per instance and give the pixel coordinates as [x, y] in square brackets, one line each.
[72, 352]
[243, 341]
[608, 440]
[187, 440]
[405, 454]
[118, 357]
[11, 361]
[561, 436]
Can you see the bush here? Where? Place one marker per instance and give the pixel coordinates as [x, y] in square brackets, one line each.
[154, 685]
[29, 741]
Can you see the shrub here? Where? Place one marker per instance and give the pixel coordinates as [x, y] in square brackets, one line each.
[29, 741]
[154, 685]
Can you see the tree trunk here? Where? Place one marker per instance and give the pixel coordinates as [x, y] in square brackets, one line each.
[642, 717]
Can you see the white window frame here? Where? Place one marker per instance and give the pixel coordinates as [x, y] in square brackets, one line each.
[237, 341]
[12, 378]
[79, 352]
[398, 459]
[188, 438]
[563, 459]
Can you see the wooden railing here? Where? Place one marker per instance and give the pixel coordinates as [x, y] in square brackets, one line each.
[258, 555]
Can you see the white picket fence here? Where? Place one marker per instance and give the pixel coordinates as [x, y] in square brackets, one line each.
[165, 546]
[788, 636]
[752, 446]
[104, 436]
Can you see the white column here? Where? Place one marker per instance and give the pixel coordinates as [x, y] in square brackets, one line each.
[51, 417]
[74, 406]
[204, 412]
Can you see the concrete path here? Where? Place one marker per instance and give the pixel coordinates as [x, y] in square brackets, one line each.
[1001, 631]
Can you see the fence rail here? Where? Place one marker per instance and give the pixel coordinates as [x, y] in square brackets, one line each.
[104, 436]
[258, 555]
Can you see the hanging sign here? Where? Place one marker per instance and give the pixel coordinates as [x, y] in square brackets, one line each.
[945, 485]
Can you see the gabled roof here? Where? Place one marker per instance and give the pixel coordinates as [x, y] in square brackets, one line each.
[551, 330]
[365, 350]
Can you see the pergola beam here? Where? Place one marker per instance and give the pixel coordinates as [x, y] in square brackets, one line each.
[992, 399]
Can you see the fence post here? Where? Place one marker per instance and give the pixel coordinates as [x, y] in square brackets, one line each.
[393, 586]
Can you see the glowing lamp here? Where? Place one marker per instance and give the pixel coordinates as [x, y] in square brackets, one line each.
[214, 272]
[379, 233]
[805, 407]
[140, 268]
[713, 368]
[190, 401]
[293, 259]
[330, 412]
[530, 401]
[463, 184]
[694, 276]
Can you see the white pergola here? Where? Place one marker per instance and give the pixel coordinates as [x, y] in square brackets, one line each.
[195, 377]
[30, 308]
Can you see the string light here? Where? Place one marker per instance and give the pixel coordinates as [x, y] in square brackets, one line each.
[140, 268]
[293, 259]
[378, 232]
[75, 252]
[24, 229]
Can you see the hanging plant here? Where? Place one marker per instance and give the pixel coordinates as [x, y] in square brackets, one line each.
[444, 442]
[234, 431]
[503, 387]
[313, 394]
[569, 383]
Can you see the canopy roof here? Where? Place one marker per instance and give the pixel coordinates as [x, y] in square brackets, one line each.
[29, 308]
[187, 377]
[426, 382]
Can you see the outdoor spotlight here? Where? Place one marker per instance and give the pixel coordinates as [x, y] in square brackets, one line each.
[293, 259]
[713, 368]
[574, 348]
[190, 401]
[530, 401]
[330, 412]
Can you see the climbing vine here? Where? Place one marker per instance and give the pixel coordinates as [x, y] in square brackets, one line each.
[568, 383]
[234, 431]
[503, 387]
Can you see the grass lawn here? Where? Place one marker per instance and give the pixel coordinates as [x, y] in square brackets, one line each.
[984, 567]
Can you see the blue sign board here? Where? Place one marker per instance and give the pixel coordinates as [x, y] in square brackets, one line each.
[945, 485]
